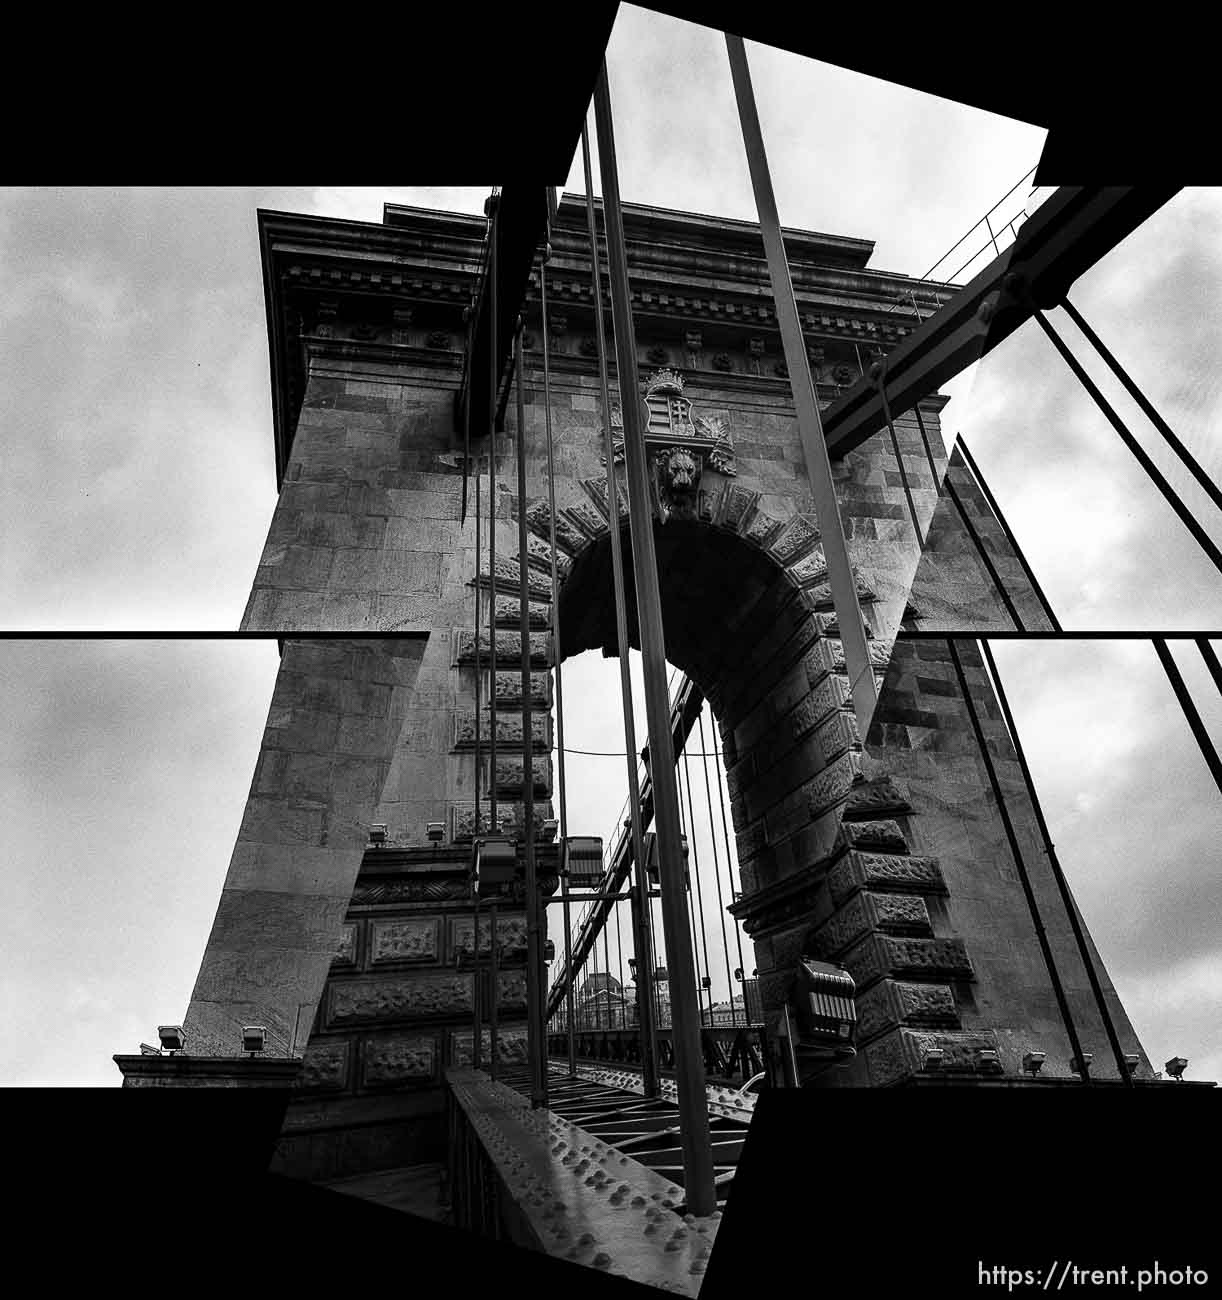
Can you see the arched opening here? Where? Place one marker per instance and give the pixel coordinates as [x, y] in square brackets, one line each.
[761, 646]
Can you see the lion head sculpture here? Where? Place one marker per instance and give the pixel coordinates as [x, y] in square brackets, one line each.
[678, 477]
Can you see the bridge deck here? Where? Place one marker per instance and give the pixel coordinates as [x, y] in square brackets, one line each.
[610, 1105]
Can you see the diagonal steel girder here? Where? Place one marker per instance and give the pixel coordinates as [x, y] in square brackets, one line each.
[1068, 234]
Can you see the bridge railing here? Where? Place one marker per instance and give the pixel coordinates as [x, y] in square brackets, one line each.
[531, 1178]
[733, 1053]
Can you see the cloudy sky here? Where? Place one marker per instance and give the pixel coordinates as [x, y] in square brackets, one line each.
[140, 483]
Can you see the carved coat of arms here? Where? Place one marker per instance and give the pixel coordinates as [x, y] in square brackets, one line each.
[679, 445]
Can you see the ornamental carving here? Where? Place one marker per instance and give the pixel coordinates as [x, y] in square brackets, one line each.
[325, 1066]
[422, 889]
[669, 424]
[360, 1000]
[402, 941]
[392, 1059]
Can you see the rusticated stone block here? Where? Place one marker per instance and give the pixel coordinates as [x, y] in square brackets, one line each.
[587, 519]
[357, 1001]
[735, 503]
[809, 570]
[510, 775]
[508, 647]
[836, 735]
[512, 818]
[511, 990]
[508, 729]
[761, 528]
[901, 912]
[597, 490]
[510, 937]
[884, 835]
[819, 596]
[878, 955]
[391, 1059]
[324, 1068]
[509, 689]
[845, 925]
[891, 1002]
[345, 954]
[873, 797]
[831, 785]
[857, 870]
[508, 612]
[538, 520]
[819, 661]
[797, 535]
[511, 1047]
[540, 553]
[926, 1003]
[396, 941]
[508, 574]
[903, 1052]
[828, 695]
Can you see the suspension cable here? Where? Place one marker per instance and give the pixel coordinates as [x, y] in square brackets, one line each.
[879, 373]
[704, 936]
[933, 468]
[561, 786]
[1037, 921]
[536, 1045]
[1189, 521]
[476, 1052]
[734, 893]
[987, 493]
[721, 903]
[985, 558]
[621, 613]
[494, 240]
[1211, 661]
[1194, 468]
[1071, 910]
[1199, 730]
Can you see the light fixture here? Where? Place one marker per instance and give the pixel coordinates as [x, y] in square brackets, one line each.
[632, 966]
[1131, 1062]
[147, 1050]
[1081, 1066]
[988, 1060]
[583, 861]
[548, 831]
[436, 831]
[1176, 1066]
[824, 998]
[933, 1059]
[738, 974]
[254, 1038]
[706, 982]
[1033, 1062]
[549, 951]
[661, 974]
[172, 1038]
[496, 862]
[377, 836]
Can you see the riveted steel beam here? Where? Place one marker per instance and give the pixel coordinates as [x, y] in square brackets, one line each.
[1071, 231]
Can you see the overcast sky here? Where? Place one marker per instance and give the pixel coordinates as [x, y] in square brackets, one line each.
[140, 483]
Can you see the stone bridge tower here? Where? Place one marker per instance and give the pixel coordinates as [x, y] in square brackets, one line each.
[886, 855]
